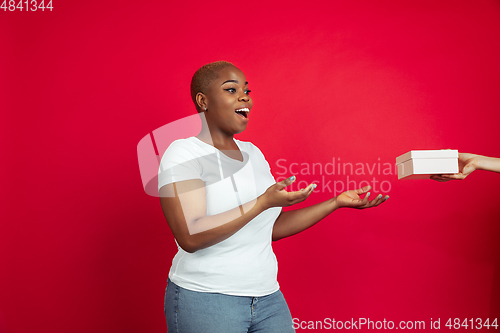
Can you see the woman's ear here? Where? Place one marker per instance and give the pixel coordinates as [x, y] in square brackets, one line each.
[201, 101]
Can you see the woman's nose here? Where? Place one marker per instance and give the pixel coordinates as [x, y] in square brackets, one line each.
[243, 97]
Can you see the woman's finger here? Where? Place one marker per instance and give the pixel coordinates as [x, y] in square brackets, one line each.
[308, 190]
[375, 202]
[447, 177]
[299, 196]
[459, 176]
[372, 202]
[284, 183]
[363, 190]
[366, 199]
[380, 198]
[439, 178]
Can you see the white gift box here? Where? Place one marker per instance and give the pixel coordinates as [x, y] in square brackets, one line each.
[420, 164]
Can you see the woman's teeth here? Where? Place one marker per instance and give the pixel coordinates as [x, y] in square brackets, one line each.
[243, 112]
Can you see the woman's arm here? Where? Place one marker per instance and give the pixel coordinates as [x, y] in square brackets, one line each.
[184, 206]
[467, 163]
[292, 222]
[488, 163]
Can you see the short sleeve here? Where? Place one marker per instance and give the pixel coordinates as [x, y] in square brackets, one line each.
[178, 163]
[262, 157]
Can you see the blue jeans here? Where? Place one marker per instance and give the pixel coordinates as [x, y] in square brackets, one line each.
[190, 311]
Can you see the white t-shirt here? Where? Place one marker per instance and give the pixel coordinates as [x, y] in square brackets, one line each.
[243, 264]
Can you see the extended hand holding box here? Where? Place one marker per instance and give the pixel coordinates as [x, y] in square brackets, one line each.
[421, 164]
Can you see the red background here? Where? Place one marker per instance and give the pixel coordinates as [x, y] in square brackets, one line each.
[84, 249]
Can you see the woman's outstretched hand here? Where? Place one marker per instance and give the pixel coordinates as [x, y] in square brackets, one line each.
[351, 199]
[276, 196]
[467, 163]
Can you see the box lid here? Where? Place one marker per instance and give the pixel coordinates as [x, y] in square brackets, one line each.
[441, 153]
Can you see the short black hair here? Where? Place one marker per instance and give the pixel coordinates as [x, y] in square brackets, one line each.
[204, 76]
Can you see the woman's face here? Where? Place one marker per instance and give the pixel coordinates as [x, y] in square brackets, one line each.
[228, 101]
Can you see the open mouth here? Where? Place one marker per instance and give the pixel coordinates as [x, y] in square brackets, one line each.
[243, 112]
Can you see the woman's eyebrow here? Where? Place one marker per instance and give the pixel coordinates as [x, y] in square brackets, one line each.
[235, 81]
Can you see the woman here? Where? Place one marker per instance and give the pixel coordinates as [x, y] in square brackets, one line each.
[224, 208]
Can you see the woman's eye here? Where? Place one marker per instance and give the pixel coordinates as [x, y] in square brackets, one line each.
[233, 90]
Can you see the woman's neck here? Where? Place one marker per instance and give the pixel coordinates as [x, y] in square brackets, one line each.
[219, 140]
